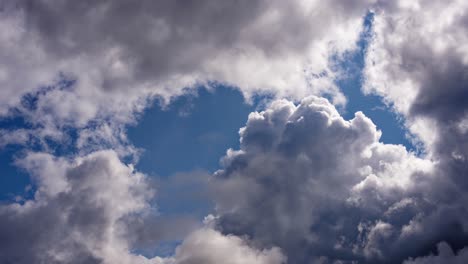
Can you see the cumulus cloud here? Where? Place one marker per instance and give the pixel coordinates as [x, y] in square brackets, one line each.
[320, 187]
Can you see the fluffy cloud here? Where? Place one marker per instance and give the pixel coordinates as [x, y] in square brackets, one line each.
[207, 246]
[122, 52]
[322, 188]
[417, 61]
[77, 213]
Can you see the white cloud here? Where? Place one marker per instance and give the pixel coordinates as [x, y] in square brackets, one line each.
[160, 48]
[418, 60]
[207, 246]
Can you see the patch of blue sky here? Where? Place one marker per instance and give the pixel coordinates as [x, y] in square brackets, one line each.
[161, 249]
[193, 133]
[352, 64]
[14, 182]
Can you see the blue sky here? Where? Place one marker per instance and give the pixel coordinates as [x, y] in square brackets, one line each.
[192, 133]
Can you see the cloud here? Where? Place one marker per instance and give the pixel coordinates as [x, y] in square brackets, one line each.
[95, 209]
[445, 255]
[207, 246]
[77, 73]
[120, 53]
[418, 63]
[322, 188]
[326, 186]
[332, 192]
[305, 185]
[78, 213]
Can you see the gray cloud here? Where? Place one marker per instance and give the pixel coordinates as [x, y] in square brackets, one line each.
[445, 255]
[77, 214]
[332, 192]
[95, 209]
[324, 189]
[418, 63]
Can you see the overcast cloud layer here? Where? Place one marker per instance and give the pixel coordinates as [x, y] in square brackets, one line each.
[306, 185]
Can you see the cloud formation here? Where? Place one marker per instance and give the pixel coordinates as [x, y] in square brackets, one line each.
[332, 192]
[77, 213]
[306, 185]
[418, 63]
[122, 51]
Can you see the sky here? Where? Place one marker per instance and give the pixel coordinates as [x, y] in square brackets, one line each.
[253, 132]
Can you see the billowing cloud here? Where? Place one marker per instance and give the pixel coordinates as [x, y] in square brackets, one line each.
[325, 189]
[418, 62]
